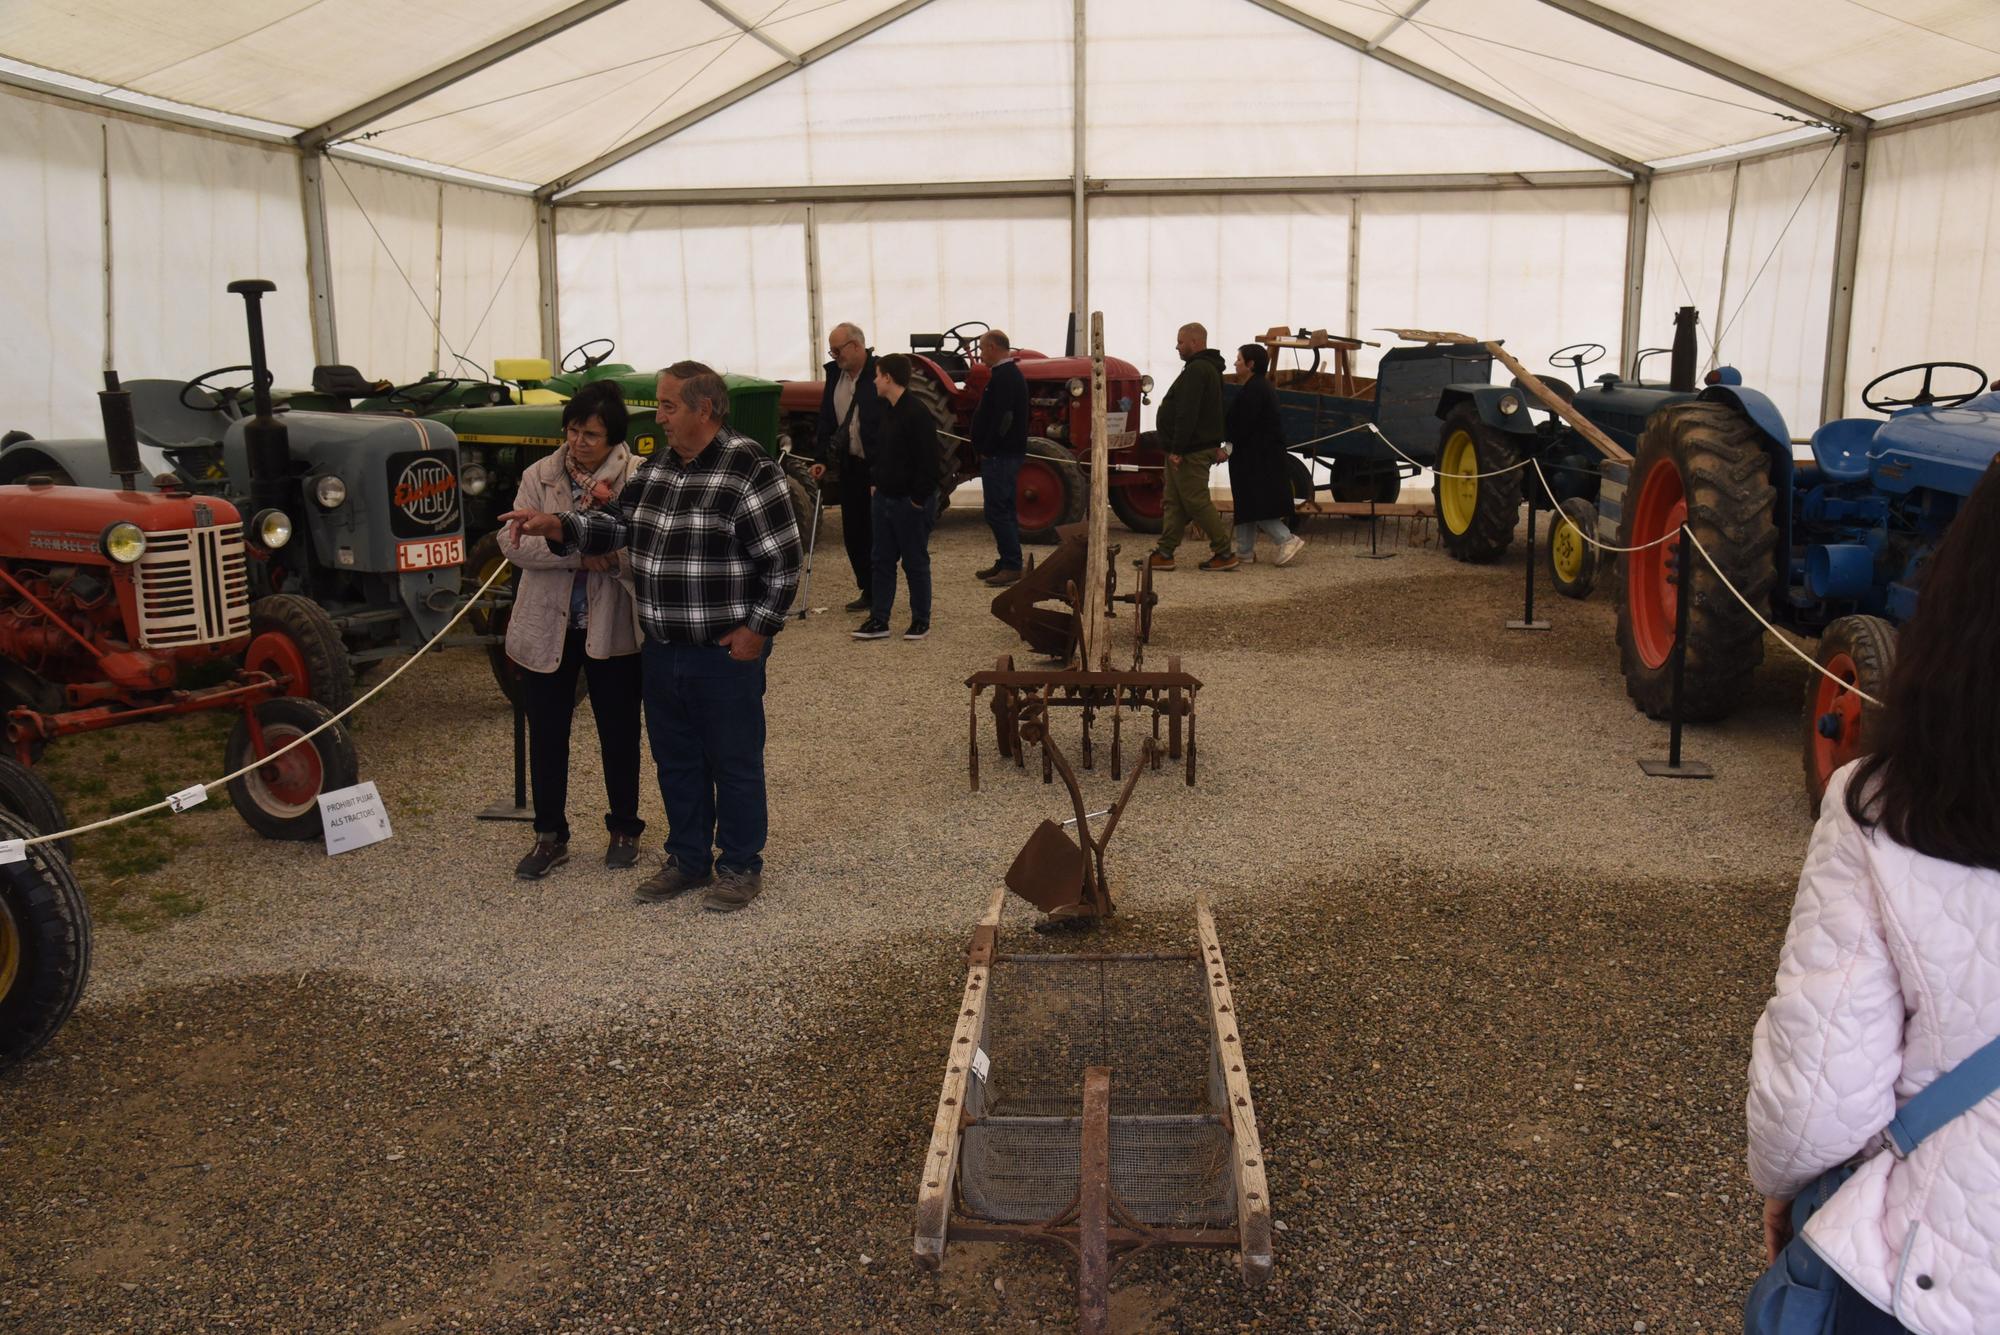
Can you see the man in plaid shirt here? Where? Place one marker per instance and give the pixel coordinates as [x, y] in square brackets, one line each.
[715, 559]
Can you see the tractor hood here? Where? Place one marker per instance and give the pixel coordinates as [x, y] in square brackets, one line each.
[1940, 449]
[72, 519]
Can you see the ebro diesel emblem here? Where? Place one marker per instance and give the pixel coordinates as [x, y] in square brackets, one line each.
[423, 494]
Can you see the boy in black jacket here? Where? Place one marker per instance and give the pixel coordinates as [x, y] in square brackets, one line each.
[905, 469]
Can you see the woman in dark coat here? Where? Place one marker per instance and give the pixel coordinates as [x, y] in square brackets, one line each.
[1257, 481]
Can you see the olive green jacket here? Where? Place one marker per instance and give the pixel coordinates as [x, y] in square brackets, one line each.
[1190, 416]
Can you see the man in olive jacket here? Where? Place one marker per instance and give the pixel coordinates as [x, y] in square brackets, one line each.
[1190, 430]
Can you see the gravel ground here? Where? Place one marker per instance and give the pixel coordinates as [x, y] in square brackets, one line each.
[1497, 990]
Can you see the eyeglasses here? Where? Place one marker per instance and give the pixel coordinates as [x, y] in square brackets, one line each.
[834, 350]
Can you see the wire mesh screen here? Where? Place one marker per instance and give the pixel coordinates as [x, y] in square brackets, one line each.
[1147, 1020]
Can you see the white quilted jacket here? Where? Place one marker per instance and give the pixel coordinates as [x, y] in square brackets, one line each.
[1890, 976]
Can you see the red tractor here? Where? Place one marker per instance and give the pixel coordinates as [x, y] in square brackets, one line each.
[122, 606]
[1054, 488]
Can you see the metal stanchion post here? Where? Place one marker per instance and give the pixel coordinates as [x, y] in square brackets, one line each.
[519, 808]
[1673, 767]
[1527, 621]
[1373, 554]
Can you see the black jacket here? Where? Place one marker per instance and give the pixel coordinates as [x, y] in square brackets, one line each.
[906, 460]
[1257, 482]
[1000, 422]
[830, 439]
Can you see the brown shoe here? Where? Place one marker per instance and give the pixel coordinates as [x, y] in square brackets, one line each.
[667, 883]
[1002, 577]
[1157, 560]
[989, 572]
[1225, 561]
[733, 890]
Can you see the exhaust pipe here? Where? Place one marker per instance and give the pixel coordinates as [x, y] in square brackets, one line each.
[1680, 376]
[121, 438]
[269, 443]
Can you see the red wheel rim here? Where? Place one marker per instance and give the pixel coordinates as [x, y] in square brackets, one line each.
[1147, 499]
[1837, 711]
[290, 784]
[1038, 495]
[1651, 599]
[278, 654]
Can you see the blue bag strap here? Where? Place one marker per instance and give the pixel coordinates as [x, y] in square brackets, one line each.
[1952, 1093]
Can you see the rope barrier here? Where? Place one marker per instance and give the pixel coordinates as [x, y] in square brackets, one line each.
[1747, 605]
[1435, 470]
[1556, 506]
[261, 761]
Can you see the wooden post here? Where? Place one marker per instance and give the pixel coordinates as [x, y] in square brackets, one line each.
[1253, 1195]
[940, 1173]
[1095, 652]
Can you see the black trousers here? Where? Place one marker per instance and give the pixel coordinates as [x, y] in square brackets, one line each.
[857, 520]
[615, 693]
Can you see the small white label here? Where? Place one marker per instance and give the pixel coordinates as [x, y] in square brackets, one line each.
[13, 850]
[981, 1063]
[187, 797]
[353, 818]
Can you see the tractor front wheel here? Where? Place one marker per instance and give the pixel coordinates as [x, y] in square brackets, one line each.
[1142, 506]
[1050, 492]
[1477, 488]
[24, 793]
[280, 799]
[1703, 465]
[44, 945]
[1839, 725]
[292, 638]
[1572, 560]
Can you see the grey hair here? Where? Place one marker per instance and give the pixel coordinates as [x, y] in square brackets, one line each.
[853, 329]
[706, 393]
[685, 370]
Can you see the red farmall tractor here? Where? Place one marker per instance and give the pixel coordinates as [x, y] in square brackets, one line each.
[1054, 488]
[121, 606]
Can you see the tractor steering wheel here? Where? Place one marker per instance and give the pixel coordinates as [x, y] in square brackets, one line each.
[965, 335]
[1576, 356]
[224, 397]
[1924, 398]
[412, 395]
[583, 350]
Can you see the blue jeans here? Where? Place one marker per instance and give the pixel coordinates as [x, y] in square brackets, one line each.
[999, 475]
[1246, 534]
[705, 722]
[902, 533]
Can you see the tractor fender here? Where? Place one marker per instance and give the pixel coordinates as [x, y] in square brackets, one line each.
[84, 461]
[1763, 413]
[1487, 401]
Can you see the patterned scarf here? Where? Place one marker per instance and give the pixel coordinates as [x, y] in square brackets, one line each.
[584, 484]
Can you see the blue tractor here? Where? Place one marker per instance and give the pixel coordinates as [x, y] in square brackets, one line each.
[1832, 548]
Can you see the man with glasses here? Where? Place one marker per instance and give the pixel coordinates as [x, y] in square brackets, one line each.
[851, 416]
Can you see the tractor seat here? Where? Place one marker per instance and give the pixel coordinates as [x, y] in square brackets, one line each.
[344, 382]
[161, 419]
[1561, 388]
[542, 397]
[1841, 448]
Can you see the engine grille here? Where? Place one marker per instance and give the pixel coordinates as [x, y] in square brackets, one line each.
[194, 587]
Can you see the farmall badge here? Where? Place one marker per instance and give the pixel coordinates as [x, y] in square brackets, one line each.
[203, 516]
[428, 493]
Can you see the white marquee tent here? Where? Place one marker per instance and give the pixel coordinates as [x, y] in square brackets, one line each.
[723, 178]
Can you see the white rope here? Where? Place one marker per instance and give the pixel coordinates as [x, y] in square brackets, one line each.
[1556, 505]
[261, 761]
[1803, 655]
[1459, 477]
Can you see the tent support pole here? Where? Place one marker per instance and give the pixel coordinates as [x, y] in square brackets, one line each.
[1635, 270]
[1079, 219]
[1353, 265]
[319, 265]
[545, 263]
[815, 313]
[1846, 255]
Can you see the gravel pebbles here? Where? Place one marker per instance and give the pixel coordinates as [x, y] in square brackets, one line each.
[1497, 993]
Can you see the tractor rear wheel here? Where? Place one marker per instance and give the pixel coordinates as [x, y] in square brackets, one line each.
[44, 945]
[1839, 725]
[293, 638]
[934, 397]
[1142, 506]
[1050, 492]
[24, 793]
[1701, 464]
[1477, 488]
[280, 799]
[1573, 561]
[1298, 479]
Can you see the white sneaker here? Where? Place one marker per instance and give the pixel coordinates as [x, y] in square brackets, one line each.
[1247, 558]
[1289, 552]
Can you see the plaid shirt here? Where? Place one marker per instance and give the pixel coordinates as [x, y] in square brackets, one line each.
[713, 541]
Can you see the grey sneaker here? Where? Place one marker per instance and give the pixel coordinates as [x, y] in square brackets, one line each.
[549, 853]
[622, 853]
[732, 890]
[668, 883]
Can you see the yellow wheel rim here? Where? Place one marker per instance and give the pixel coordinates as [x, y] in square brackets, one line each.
[1458, 496]
[1565, 551]
[10, 951]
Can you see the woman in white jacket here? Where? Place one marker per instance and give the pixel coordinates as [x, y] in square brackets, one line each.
[575, 614]
[1890, 976]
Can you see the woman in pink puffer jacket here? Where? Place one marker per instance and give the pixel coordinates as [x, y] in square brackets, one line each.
[1890, 975]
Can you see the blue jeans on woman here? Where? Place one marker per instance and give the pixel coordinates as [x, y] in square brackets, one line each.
[1246, 535]
[902, 533]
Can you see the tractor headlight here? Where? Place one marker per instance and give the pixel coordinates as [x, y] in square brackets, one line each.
[330, 492]
[124, 542]
[1509, 404]
[273, 528]
[1075, 387]
[472, 480]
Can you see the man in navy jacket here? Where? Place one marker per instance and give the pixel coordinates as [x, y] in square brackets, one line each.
[851, 418]
[1000, 437]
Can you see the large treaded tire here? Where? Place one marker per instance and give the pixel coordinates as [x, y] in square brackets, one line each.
[285, 804]
[44, 945]
[1049, 465]
[1861, 650]
[1142, 508]
[933, 396]
[293, 636]
[24, 793]
[1722, 475]
[1476, 519]
[1572, 560]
